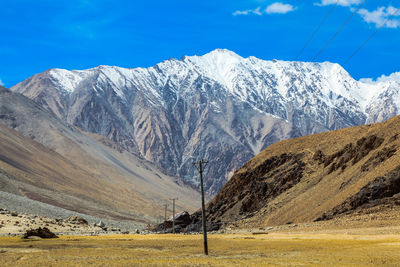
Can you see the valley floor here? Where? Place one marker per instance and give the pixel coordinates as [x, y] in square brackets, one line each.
[368, 247]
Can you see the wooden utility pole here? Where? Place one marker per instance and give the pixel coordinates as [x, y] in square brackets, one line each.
[165, 218]
[201, 164]
[173, 214]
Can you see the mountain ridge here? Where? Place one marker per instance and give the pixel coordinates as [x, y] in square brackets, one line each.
[218, 106]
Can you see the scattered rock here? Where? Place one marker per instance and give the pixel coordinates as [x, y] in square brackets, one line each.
[14, 214]
[77, 220]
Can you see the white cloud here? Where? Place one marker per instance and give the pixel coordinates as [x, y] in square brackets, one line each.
[248, 12]
[339, 2]
[392, 77]
[275, 8]
[279, 8]
[380, 16]
[367, 80]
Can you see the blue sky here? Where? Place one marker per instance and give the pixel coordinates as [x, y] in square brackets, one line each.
[79, 34]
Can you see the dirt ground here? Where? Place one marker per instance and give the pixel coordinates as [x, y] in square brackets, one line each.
[371, 248]
[17, 225]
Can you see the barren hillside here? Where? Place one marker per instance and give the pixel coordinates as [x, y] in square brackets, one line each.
[44, 159]
[316, 177]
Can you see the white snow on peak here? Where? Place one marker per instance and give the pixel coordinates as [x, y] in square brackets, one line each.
[221, 53]
[219, 64]
[251, 79]
[372, 89]
[67, 80]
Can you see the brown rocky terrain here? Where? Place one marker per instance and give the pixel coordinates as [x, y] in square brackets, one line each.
[336, 176]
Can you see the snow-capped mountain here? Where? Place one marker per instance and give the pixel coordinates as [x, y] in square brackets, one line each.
[219, 106]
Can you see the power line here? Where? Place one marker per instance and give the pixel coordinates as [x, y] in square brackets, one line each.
[316, 30]
[340, 29]
[371, 36]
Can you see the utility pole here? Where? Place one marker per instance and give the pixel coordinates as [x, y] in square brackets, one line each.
[201, 164]
[173, 214]
[165, 218]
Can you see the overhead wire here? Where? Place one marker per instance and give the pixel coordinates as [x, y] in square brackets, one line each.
[397, 12]
[338, 31]
[319, 27]
[316, 31]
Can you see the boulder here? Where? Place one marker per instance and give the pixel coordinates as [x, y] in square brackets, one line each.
[182, 218]
[40, 232]
[100, 224]
[77, 220]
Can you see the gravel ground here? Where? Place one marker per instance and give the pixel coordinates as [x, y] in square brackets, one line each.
[24, 205]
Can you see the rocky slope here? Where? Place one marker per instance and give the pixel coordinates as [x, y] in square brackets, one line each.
[44, 159]
[314, 178]
[218, 106]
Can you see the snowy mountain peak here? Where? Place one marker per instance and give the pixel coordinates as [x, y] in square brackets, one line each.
[219, 59]
[218, 105]
[222, 53]
[251, 79]
[67, 80]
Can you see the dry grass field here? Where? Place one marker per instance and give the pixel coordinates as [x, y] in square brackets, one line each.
[273, 249]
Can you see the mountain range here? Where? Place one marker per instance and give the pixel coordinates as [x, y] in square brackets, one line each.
[218, 106]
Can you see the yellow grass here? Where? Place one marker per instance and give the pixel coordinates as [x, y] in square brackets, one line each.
[186, 250]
